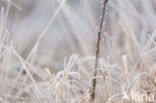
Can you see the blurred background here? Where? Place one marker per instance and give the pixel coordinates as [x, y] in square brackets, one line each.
[74, 29]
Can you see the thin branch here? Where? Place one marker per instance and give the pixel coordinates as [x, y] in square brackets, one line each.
[98, 47]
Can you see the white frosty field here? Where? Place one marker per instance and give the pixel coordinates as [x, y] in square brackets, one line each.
[49, 51]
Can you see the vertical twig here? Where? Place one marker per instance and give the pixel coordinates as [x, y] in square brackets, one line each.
[98, 47]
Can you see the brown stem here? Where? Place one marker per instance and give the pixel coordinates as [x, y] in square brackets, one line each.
[98, 48]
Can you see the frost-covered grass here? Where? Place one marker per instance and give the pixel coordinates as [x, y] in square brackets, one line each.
[47, 51]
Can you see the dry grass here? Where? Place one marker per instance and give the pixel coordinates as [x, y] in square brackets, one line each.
[47, 52]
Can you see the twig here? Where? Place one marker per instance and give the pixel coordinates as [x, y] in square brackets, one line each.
[98, 48]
